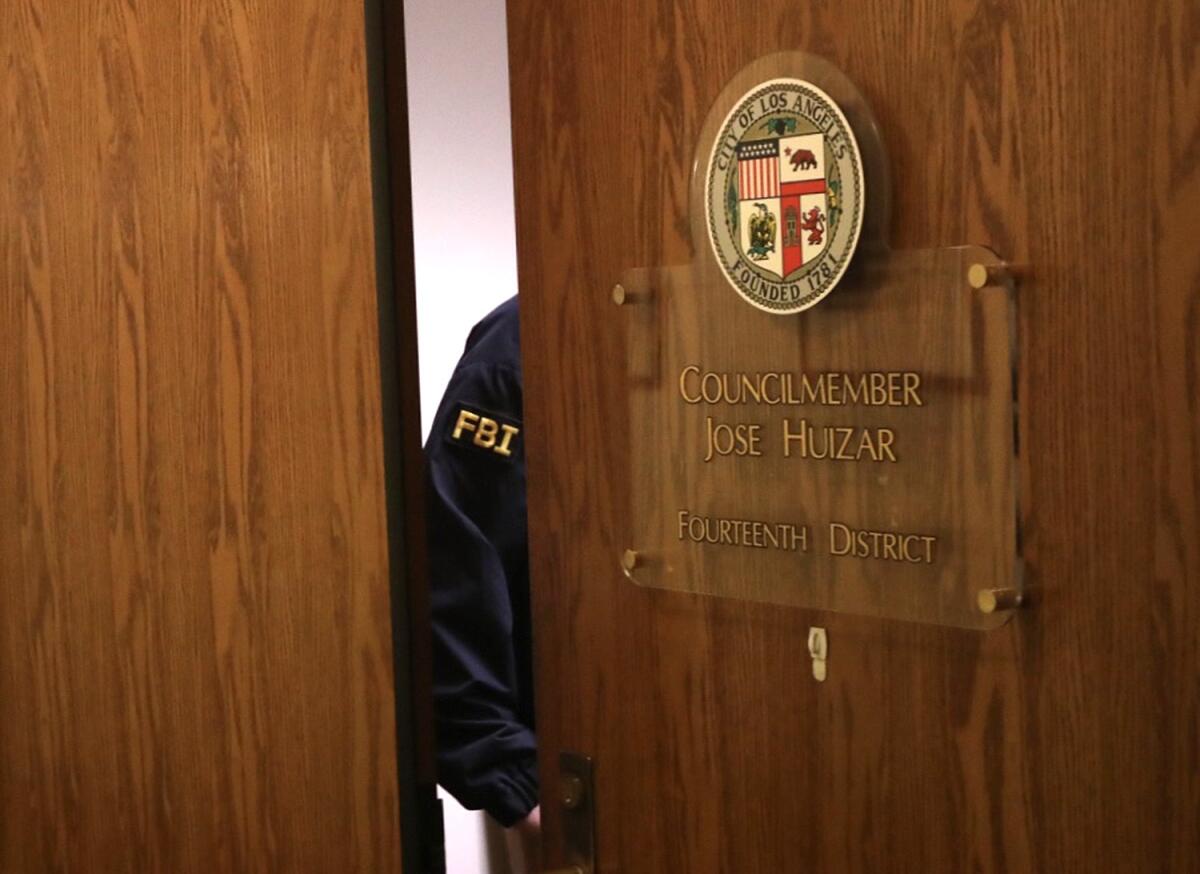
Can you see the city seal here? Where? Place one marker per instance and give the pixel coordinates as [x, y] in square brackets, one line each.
[784, 195]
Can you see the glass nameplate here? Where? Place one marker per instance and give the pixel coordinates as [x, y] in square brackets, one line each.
[856, 457]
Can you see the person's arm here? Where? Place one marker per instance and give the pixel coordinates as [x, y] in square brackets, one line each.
[476, 521]
[524, 842]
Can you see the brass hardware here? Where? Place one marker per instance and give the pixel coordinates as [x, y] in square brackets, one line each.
[993, 600]
[629, 560]
[573, 792]
[981, 276]
[577, 794]
[622, 296]
[818, 648]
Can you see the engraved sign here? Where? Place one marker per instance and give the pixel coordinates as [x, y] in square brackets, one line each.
[857, 456]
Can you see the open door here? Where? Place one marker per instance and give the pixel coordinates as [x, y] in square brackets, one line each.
[208, 393]
[1052, 723]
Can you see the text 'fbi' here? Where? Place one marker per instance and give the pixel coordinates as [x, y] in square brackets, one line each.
[486, 432]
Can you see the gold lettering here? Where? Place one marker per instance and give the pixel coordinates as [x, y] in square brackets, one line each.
[788, 437]
[833, 389]
[751, 437]
[466, 422]
[865, 445]
[893, 390]
[683, 375]
[860, 538]
[714, 396]
[826, 445]
[726, 394]
[886, 437]
[846, 434]
[751, 390]
[837, 529]
[856, 392]
[838, 443]
[509, 433]
[912, 382]
[878, 390]
[741, 440]
[928, 541]
[789, 386]
[881, 545]
[906, 548]
[766, 397]
[485, 434]
[748, 533]
[814, 395]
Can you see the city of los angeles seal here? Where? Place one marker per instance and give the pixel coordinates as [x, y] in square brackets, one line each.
[784, 195]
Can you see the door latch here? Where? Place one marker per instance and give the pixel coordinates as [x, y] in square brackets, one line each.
[576, 795]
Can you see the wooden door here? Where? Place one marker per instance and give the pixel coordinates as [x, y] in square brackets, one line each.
[1064, 136]
[196, 653]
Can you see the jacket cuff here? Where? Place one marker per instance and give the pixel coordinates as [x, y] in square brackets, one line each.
[515, 792]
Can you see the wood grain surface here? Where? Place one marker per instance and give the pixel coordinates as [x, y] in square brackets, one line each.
[195, 649]
[1064, 136]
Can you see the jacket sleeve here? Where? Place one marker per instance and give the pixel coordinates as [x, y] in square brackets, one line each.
[477, 537]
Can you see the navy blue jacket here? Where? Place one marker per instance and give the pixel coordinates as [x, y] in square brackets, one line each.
[479, 566]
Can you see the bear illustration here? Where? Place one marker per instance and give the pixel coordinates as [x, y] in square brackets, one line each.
[803, 159]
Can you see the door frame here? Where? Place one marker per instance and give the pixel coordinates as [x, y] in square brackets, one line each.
[421, 829]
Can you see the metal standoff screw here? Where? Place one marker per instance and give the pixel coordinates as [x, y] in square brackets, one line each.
[573, 792]
[993, 600]
[619, 295]
[630, 559]
[982, 275]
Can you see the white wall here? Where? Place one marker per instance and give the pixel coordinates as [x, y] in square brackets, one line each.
[466, 258]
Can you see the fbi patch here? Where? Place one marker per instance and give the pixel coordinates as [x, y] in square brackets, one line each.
[486, 432]
[784, 195]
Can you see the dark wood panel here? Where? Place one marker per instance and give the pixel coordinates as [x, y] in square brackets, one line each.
[1065, 137]
[195, 650]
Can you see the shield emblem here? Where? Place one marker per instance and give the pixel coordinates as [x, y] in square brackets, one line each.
[782, 202]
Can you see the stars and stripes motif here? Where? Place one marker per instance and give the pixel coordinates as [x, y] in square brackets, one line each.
[758, 169]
